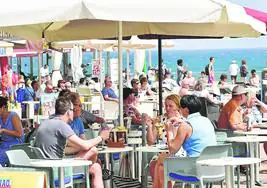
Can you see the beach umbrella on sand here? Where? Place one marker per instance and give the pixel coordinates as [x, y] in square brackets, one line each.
[84, 19]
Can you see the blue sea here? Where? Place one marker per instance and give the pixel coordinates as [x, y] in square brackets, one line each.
[195, 60]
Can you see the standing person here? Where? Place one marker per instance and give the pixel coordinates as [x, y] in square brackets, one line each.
[181, 70]
[44, 72]
[243, 71]
[233, 70]
[11, 130]
[210, 71]
[53, 134]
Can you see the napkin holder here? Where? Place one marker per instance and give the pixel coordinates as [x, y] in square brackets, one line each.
[117, 138]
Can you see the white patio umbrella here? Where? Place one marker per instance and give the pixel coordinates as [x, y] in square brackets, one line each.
[56, 59]
[83, 19]
[76, 62]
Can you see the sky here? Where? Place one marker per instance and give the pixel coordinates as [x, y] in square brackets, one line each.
[260, 42]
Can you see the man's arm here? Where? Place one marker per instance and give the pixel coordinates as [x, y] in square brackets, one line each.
[84, 144]
[88, 144]
[236, 122]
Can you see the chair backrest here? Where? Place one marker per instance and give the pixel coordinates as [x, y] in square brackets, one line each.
[18, 157]
[220, 137]
[212, 152]
[111, 110]
[38, 153]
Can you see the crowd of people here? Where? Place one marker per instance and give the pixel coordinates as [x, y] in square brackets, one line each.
[185, 130]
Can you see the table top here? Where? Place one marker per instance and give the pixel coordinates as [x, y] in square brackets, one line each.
[31, 102]
[229, 161]
[261, 125]
[151, 149]
[247, 139]
[254, 131]
[115, 150]
[59, 162]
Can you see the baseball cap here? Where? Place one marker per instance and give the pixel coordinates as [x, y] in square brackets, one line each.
[239, 90]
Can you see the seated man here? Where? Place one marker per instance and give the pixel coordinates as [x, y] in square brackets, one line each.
[254, 80]
[231, 116]
[107, 92]
[52, 135]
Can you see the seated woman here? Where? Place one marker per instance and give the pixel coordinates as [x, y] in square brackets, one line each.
[200, 91]
[145, 87]
[78, 127]
[11, 130]
[193, 135]
[172, 106]
[129, 106]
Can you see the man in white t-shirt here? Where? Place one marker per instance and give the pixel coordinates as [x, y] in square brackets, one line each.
[233, 71]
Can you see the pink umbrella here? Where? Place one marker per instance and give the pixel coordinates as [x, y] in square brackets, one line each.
[262, 16]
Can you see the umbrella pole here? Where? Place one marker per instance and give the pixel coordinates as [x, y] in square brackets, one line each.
[120, 73]
[160, 73]
[40, 59]
[128, 66]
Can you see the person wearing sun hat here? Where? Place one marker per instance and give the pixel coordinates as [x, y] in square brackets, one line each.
[231, 116]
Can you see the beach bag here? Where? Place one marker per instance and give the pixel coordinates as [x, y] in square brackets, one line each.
[207, 72]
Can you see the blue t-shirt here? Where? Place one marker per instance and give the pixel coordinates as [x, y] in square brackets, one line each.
[29, 94]
[203, 135]
[77, 126]
[109, 92]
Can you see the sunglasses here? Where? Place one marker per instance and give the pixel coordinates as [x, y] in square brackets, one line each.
[79, 105]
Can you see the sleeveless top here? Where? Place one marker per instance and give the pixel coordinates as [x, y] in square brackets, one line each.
[203, 135]
[9, 126]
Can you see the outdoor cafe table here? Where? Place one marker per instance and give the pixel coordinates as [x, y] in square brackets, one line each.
[229, 162]
[147, 149]
[254, 131]
[61, 164]
[253, 143]
[109, 150]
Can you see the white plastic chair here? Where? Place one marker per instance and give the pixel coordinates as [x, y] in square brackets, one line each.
[18, 158]
[185, 169]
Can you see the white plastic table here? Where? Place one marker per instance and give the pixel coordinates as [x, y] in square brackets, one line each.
[229, 162]
[253, 143]
[255, 131]
[146, 149]
[108, 150]
[61, 164]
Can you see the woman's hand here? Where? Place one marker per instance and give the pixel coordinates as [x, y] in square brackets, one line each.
[148, 121]
[1, 131]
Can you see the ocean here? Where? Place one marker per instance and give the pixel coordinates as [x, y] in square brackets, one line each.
[195, 60]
